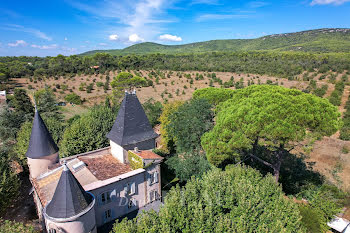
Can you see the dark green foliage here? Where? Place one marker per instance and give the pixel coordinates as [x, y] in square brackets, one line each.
[47, 105]
[9, 182]
[236, 200]
[73, 98]
[336, 95]
[187, 165]
[21, 102]
[320, 92]
[88, 132]
[153, 110]
[188, 124]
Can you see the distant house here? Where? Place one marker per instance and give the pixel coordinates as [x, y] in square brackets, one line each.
[2, 97]
[85, 191]
[94, 67]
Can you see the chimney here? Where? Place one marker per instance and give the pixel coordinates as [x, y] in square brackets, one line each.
[136, 150]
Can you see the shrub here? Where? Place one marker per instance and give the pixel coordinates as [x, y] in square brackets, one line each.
[73, 98]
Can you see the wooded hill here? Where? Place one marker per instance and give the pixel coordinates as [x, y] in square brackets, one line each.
[319, 40]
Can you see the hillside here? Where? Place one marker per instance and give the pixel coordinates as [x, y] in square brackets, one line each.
[319, 40]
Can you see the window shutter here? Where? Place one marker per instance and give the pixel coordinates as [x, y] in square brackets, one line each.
[113, 195]
[134, 202]
[99, 199]
[104, 217]
[126, 189]
[156, 177]
[132, 191]
[149, 179]
[113, 214]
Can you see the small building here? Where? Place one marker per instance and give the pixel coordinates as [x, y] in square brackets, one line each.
[2, 97]
[85, 191]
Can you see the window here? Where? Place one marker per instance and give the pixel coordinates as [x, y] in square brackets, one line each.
[153, 178]
[107, 215]
[130, 188]
[105, 198]
[52, 231]
[153, 195]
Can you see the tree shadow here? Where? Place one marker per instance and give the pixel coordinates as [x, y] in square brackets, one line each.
[295, 175]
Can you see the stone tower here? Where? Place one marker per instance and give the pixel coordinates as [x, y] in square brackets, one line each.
[131, 129]
[71, 208]
[42, 150]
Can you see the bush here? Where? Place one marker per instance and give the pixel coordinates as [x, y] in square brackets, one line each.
[73, 98]
[7, 226]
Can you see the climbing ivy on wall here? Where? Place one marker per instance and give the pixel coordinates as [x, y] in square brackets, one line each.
[134, 160]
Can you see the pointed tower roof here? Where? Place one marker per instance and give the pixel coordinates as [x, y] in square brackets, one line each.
[132, 125]
[41, 143]
[69, 198]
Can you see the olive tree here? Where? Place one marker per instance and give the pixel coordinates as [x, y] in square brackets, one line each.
[272, 117]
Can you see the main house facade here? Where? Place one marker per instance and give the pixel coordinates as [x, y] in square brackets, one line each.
[83, 192]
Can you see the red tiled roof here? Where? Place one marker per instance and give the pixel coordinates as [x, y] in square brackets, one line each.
[147, 154]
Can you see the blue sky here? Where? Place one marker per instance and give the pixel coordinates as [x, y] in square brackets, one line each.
[48, 28]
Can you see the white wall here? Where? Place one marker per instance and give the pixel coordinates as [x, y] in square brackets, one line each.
[117, 151]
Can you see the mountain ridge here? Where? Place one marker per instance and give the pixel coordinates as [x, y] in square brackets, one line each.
[317, 40]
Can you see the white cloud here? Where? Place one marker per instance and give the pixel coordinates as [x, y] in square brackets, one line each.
[135, 38]
[113, 37]
[33, 31]
[326, 2]
[102, 44]
[51, 46]
[168, 37]
[142, 17]
[18, 43]
[65, 38]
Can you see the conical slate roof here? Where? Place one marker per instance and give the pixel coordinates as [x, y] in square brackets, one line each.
[132, 125]
[69, 198]
[41, 143]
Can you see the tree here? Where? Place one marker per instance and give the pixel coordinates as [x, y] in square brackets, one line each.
[188, 123]
[9, 182]
[188, 164]
[46, 104]
[153, 110]
[213, 95]
[238, 199]
[88, 132]
[126, 81]
[269, 117]
[73, 98]
[166, 139]
[21, 102]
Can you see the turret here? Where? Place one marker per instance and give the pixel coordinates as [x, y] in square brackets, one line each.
[42, 150]
[131, 129]
[71, 208]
